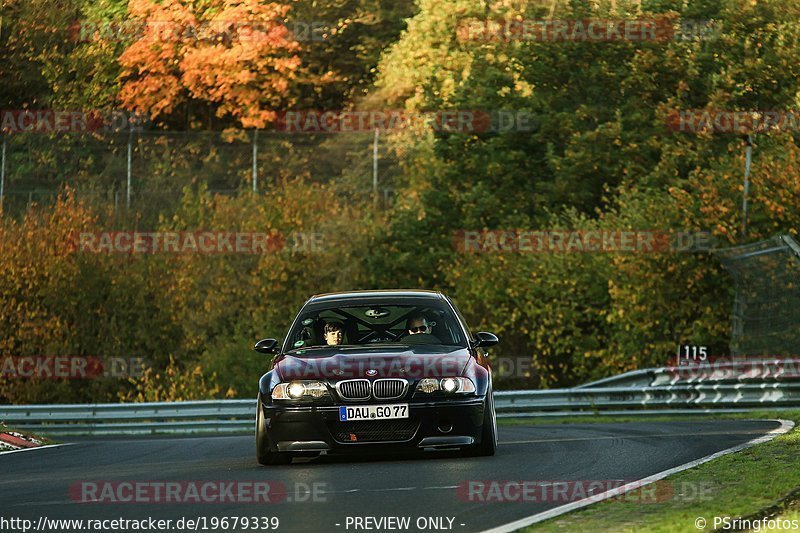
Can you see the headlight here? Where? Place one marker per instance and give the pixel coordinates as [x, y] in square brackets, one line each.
[297, 390]
[448, 385]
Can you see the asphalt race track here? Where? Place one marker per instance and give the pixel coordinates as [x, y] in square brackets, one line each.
[38, 483]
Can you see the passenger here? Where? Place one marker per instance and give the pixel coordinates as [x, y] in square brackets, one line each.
[334, 331]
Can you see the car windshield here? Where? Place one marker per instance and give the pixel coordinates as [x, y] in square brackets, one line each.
[368, 324]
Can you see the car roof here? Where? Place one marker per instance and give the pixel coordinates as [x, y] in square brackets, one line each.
[385, 294]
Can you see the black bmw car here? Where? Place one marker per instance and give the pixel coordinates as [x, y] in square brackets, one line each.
[376, 370]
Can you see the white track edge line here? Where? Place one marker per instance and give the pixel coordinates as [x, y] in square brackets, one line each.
[37, 448]
[785, 427]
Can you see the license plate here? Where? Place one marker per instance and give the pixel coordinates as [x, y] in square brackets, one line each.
[373, 412]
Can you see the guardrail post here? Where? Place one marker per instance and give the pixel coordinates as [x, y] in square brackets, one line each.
[255, 160]
[375, 166]
[128, 187]
[2, 172]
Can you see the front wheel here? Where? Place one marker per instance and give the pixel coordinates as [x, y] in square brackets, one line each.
[264, 455]
[488, 444]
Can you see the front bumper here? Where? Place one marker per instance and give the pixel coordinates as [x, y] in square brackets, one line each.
[453, 423]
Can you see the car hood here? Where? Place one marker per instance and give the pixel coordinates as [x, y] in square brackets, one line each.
[385, 361]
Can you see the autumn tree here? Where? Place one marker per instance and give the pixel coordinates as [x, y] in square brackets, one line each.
[230, 57]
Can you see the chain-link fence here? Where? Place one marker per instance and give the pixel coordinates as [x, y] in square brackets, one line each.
[146, 171]
[766, 314]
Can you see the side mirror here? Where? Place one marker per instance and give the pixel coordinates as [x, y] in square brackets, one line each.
[268, 346]
[485, 339]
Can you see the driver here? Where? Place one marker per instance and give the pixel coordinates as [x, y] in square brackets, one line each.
[419, 331]
[334, 332]
[417, 324]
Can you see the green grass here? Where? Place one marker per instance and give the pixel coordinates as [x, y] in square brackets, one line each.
[792, 515]
[761, 480]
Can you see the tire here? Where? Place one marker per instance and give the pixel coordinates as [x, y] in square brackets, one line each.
[264, 455]
[488, 445]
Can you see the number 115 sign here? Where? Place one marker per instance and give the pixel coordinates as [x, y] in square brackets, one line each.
[691, 353]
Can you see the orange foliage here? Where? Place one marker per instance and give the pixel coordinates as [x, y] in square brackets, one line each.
[231, 54]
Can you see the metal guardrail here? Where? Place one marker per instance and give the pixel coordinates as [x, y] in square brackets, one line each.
[689, 395]
[208, 416]
[237, 416]
[753, 370]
